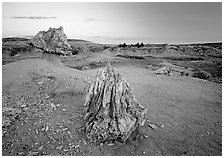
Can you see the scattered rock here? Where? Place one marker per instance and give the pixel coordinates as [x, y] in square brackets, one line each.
[41, 148]
[21, 153]
[152, 126]
[101, 144]
[85, 67]
[146, 136]
[65, 149]
[59, 147]
[33, 153]
[110, 144]
[22, 106]
[65, 129]
[47, 128]
[163, 71]
[76, 146]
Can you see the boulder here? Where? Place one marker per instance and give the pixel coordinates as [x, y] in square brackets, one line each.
[163, 71]
[113, 113]
[53, 41]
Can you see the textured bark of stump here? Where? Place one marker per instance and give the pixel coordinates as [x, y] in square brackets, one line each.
[112, 111]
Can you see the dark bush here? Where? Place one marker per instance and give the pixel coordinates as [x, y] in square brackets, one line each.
[122, 45]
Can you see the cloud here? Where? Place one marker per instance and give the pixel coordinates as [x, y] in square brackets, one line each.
[32, 17]
[116, 38]
[90, 19]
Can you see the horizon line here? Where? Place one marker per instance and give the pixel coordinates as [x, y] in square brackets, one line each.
[169, 43]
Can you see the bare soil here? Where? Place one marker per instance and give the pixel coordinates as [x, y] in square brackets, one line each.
[184, 116]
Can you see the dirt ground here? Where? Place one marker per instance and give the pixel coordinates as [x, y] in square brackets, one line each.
[184, 113]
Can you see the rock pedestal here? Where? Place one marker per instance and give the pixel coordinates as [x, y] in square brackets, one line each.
[53, 43]
[113, 113]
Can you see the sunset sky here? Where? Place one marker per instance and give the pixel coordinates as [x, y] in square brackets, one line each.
[117, 22]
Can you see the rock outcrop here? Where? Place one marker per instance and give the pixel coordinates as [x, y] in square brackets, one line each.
[113, 113]
[53, 41]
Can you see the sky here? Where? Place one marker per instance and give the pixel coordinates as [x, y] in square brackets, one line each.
[147, 22]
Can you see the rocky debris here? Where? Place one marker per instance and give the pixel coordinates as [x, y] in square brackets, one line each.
[163, 71]
[9, 115]
[113, 113]
[53, 41]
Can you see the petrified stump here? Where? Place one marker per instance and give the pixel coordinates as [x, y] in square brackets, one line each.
[113, 113]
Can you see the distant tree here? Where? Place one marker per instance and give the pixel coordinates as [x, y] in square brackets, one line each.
[137, 45]
[122, 45]
[141, 45]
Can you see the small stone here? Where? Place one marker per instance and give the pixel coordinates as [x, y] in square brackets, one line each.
[33, 153]
[110, 144]
[68, 132]
[65, 149]
[42, 129]
[20, 153]
[101, 144]
[59, 147]
[40, 83]
[173, 98]
[152, 126]
[40, 148]
[22, 106]
[146, 136]
[76, 146]
[65, 129]
[143, 152]
[47, 128]
[63, 109]
[162, 126]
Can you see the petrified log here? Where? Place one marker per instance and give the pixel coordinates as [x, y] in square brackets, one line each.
[113, 113]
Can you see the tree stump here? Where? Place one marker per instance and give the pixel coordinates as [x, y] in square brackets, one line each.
[113, 113]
